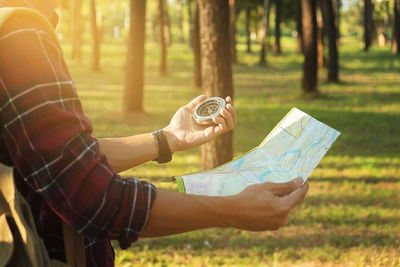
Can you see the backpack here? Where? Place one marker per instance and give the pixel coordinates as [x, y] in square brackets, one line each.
[20, 244]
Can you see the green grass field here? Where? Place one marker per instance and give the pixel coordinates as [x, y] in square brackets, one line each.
[351, 216]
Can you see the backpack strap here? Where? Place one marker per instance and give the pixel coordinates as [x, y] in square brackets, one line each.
[74, 248]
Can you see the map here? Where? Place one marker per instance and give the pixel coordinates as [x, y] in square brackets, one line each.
[292, 149]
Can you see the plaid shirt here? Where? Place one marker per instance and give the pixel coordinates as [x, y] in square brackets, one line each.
[58, 166]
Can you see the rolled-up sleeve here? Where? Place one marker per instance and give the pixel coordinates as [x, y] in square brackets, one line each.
[50, 142]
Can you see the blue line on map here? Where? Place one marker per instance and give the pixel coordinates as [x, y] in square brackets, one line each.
[239, 163]
[293, 151]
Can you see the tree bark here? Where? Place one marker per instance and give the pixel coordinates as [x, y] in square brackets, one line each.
[216, 71]
[396, 28]
[320, 33]
[336, 11]
[133, 93]
[196, 49]
[278, 15]
[163, 45]
[264, 32]
[77, 31]
[191, 22]
[232, 29]
[333, 65]
[299, 27]
[95, 37]
[179, 17]
[368, 27]
[248, 18]
[310, 67]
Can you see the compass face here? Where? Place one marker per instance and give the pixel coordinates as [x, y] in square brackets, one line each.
[207, 109]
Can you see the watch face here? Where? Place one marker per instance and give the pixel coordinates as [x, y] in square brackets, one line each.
[207, 109]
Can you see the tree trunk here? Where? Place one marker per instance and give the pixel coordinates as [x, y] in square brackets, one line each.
[248, 18]
[179, 17]
[232, 29]
[333, 67]
[77, 31]
[264, 32]
[368, 27]
[196, 49]
[167, 25]
[216, 71]
[278, 15]
[310, 67]
[299, 27]
[320, 33]
[95, 37]
[191, 22]
[163, 45]
[336, 11]
[133, 93]
[396, 28]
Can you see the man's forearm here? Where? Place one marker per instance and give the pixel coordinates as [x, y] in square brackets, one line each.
[259, 207]
[174, 213]
[126, 152]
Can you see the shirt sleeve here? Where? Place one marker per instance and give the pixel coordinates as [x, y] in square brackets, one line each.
[49, 141]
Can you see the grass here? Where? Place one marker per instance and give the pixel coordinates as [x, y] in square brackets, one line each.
[351, 216]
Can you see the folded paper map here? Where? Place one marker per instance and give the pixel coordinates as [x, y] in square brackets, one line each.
[292, 149]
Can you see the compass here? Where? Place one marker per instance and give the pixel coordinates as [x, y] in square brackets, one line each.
[207, 109]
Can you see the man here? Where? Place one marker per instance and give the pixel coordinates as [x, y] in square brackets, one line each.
[67, 175]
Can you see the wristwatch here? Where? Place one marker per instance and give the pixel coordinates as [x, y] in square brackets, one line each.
[164, 153]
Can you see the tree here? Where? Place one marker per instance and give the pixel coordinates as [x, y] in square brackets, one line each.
[278, 15]
[191, 22]
[95, 37]
[336, 10]
[196, 49]
[179, 17]
[163, 45]
[216, 72]
[133, 93]
[368, 24]
[299, 26]
[248, 19]
[310, 67]
[396, 27]
[264, 31]
[333, 67]
[232, 29]
[77, 30]
[320, 33]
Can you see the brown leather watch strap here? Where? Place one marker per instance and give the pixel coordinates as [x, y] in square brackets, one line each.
[164, 153]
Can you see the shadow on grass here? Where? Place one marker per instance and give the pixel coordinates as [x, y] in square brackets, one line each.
[271, 243]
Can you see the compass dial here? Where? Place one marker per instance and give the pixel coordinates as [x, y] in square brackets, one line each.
[207, 109]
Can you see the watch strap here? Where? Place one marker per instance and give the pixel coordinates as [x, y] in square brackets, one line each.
[164, 153]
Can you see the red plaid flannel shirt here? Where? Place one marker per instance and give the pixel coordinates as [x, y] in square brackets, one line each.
[57, 163]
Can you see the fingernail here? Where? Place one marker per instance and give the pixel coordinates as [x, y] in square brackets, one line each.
[299, 181]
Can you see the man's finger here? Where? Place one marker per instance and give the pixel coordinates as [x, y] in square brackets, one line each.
[228, 118]
[294, 198]
[232, 110]
[195, 101]
[283, 189]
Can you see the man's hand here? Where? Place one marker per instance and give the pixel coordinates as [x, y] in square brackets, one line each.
[265, 206]
[183, 132]
[257, 208]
